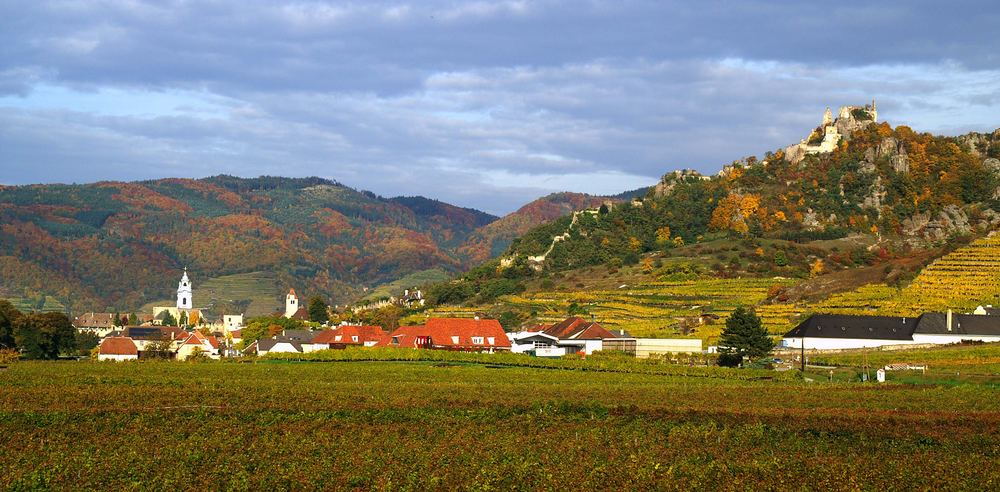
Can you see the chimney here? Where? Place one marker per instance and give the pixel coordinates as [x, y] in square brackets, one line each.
[949, 321]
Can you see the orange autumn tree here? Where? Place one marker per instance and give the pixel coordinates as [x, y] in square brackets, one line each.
[733, 213]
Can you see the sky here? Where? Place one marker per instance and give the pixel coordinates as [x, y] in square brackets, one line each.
[481, 104]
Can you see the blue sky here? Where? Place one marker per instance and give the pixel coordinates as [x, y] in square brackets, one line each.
[481, 104]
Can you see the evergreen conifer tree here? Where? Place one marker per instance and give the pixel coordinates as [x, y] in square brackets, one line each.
[317, 310]
[744, 336]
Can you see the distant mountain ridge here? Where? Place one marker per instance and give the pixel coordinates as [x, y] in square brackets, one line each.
[119, 245]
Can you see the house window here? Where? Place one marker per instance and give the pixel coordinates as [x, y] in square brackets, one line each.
[477, 340]
[354, 338]
[454, 340]
[542, 345]
[395, 340]
[491, 340]
[184, 301]
[337, 338]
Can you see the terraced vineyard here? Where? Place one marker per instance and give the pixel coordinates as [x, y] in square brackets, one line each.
[43, 304]
[779, 318]
[961, 280]
[869, 299]
[654, 309]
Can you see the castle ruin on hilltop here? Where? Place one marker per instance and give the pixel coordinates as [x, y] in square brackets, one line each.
[827, 135]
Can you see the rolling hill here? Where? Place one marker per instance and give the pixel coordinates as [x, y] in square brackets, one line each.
[802, 229]
[118, 246]
[114, 244]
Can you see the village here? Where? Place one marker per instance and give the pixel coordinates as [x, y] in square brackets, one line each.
[182, 332]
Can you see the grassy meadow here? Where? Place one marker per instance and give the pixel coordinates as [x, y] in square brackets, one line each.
[437, 425]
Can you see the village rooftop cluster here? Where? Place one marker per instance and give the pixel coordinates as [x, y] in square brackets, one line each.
[150, 338]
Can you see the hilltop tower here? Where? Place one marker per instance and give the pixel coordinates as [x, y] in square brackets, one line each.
[291, 304]
[184, 299]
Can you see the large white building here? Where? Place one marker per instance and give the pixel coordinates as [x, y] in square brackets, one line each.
[834, 331]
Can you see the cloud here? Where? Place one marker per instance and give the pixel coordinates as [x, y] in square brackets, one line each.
[486, 104]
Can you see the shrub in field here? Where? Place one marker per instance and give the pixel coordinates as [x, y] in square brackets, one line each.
[728, 359]
[8, 356]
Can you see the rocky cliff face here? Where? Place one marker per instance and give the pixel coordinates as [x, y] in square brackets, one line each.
[670, 180]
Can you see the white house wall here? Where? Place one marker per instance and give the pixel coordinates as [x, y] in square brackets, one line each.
[591, 346]
[644, 347]
[117, 357]
[551, 352]
[842, 343]
[956, 338]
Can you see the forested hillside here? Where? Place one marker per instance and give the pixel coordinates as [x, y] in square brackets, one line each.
[114, 244]
[906, 188]
[494, 238]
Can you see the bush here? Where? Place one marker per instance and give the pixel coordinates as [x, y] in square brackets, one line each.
[729, 359]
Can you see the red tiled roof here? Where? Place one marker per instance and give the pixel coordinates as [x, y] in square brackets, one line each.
[302, 314]
[196, 338]
[291, 292]
[577, 328]
[405, 336]
[118, 346]
[452, 333]
[347, 334]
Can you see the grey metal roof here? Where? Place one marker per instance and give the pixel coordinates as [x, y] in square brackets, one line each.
[860, 327]
[146, 333]
[300, 335]
[266, 344]
[961, 324]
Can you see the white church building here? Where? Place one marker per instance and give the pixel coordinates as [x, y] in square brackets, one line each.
[184, 305]
[293, 308]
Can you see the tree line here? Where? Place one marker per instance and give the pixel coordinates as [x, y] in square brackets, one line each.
[37, 335]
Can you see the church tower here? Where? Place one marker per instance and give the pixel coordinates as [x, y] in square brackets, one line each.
[291, 304]
[184, 300]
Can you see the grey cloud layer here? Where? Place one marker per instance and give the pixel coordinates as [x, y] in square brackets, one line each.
[486, 104]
